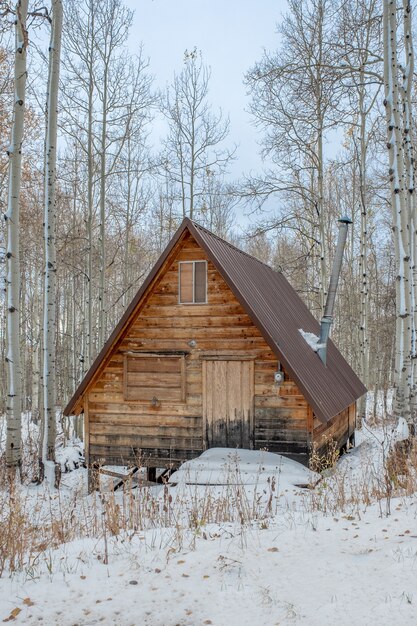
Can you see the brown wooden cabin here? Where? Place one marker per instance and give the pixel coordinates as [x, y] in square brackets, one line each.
[209, 354]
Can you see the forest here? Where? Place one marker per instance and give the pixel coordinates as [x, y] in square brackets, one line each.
[100, 163]
[110, 199]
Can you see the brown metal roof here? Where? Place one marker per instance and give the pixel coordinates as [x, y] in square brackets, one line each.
[277, 310]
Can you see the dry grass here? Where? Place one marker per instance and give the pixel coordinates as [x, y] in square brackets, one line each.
[392, 473]
[326, 458]
[35, 520]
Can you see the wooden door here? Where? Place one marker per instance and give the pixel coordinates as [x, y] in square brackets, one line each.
[228, 389]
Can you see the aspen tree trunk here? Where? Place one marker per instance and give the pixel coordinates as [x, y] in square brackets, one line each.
[321, 218]
[35, 380]
[127, 228]
[192, 169]
[14, 400]
[399, 210]
[409, 162]
[363, 252]
[76, 348]
[183, 187]
[320, 165]
[88, 357]
[23, 364]
[49, 321]
[101, 293]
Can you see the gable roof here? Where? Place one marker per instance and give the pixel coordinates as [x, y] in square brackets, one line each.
[276, 309]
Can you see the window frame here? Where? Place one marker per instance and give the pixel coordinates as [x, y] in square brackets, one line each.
[153, 355]
[179, 281]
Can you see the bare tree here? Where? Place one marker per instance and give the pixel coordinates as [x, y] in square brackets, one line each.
[360, 64]
[113, 21]
[13, 409]
[402, 186]
[295, 101]
[50, 179]
[194, 142]
[107, 99]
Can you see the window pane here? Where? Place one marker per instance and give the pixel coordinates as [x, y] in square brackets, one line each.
[186, 282]
[200, 281]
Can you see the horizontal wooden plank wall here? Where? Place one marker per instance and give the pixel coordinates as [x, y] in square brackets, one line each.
[339, 428]
[167, 433]
[280, 412]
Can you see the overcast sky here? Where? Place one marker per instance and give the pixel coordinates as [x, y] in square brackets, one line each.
[231, 35]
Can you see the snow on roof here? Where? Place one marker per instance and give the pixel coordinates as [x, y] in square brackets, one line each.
[311, 339]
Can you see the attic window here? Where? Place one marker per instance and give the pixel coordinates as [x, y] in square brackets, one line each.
[193, 282]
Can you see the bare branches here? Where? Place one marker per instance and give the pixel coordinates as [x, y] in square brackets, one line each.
[193, 149]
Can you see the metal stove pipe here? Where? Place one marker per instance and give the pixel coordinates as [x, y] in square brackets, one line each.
[327, 319]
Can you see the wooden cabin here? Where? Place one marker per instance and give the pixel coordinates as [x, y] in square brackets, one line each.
[209, 353]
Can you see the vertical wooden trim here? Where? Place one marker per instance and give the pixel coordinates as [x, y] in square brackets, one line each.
[183, 379]
[352, 422]
[86, 432]
[310, 427]
[309, 419]
[252, 404]
[125, 394]
[179, 282]
[204, 392]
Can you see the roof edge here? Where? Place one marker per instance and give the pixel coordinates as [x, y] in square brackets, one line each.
[124, 320]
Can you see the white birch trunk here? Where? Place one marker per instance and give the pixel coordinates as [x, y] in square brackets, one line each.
[90, 191]
[320, 164]
[101, 297]
[14, 400]
[363, 253]
[49, 323]
[409, 162]
[399, 209]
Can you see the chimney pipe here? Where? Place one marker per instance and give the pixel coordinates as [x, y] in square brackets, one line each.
[327, 318]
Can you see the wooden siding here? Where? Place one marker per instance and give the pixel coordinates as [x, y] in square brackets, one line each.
[340, 428]
[280, 413]
[121, 426]
[154, 378]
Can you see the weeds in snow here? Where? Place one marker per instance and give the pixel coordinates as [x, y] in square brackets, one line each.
[36, 520]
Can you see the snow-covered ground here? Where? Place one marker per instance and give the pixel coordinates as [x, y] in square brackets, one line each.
[233, 540]
[283, 555]
[312, 570]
